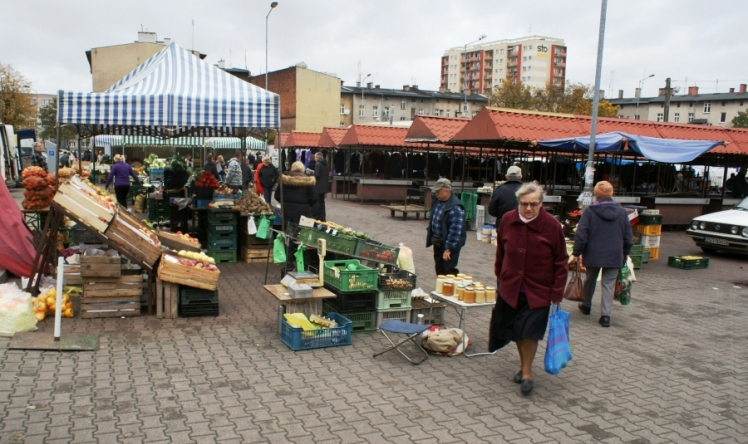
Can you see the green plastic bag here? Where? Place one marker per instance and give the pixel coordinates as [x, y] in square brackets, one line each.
[279, 250]
[299, 255]
[623, 286]
[263, 228]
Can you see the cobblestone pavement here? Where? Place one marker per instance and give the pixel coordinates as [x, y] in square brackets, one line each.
[672, 368]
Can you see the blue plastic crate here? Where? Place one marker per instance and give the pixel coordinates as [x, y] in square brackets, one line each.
[298, 339]
[202, 203]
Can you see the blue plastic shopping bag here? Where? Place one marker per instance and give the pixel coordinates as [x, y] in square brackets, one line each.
[557, 351]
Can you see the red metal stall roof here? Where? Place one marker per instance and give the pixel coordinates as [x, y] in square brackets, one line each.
[331, 137]
[493, 124]
[375, 136]
[284, 139]
[302, 139]
[434, 129]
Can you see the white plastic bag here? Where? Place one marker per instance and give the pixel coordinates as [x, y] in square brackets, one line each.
[251, 227]
[16, 310]
[405, 259]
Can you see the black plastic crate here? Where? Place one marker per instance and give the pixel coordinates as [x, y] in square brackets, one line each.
[356, 302]
[202, 308]
[190, 295]
[391, 278]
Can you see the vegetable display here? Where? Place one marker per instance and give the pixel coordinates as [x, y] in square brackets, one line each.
[40, 189]
[152, 162]
[251, 203]
[177, 163]
[207, 180]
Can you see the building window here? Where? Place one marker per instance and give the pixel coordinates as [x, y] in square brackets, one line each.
[375, 111]
[342, 124]
[361, 111]
[342, 109]
[464, 107]
[722, 117]
[676, 118]
[724, 103]
[402, 104]
[707, 107]
[690, 117]
[436, 113]
[659, 117]
[447, 113]
[45, 102]
[741, 103]
[33, 101]
[678, 105]
[402, 118]
[637, 117]
[386, 112]
[420, 111]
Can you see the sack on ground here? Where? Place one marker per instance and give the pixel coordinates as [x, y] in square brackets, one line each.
[575, 287]
[557, 351]
[446, 341]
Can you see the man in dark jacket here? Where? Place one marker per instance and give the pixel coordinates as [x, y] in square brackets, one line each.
[298, 194]
[504, 198]
[446, 230]
[321, 176]
[268, 178]
[603, 240]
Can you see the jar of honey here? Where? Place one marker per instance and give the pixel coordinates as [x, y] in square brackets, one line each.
[439, 283]
[467, 280]
[490, 294]
[468, 296]
[459, 292]
[448, 287]
[480, 295]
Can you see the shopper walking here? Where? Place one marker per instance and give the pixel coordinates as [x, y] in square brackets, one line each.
[321, 176]
[234, 176]
[298, 194]
[446, 230]
[531, 267]
[504, 197]
[221, 168]
[120, 175]
[268, 176]
[603, 241]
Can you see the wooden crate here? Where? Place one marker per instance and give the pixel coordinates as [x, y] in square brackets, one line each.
[100, 266]
[256, 255]
[113, 287]
[176, 243]
[170, 270]
[251, 241]
[105, 307]
[167, 300]
[83, 206]
[71, 274]
[127, 235]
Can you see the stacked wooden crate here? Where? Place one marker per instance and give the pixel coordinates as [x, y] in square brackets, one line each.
[108, 290]
[253, 249]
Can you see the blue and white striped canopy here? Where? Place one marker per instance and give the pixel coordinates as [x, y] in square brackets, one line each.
[171, 94]
[232, 142]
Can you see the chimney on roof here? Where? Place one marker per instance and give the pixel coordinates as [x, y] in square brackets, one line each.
[376, 86]
[742, 88]
[693, 90]
[167, 41]
[415, 87]
[732, 90]
[620, 93]
[358, 84]
[342, 83]
[370, 85]
[147, 37]
[406, 87]
[221, 64]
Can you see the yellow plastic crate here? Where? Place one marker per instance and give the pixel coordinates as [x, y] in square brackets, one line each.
[648, 230]
[654, 253]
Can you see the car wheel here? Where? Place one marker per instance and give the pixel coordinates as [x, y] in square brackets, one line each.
[708, 250]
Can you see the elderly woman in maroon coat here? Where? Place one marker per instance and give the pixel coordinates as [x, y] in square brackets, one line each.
[531, 268]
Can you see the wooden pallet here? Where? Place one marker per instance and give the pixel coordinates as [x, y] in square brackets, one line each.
[405, 209]
[109, 307]
[170, 270]
[256, 255]
[100, 266]
[167, 300]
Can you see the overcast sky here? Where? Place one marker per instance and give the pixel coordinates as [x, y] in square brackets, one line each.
[695, 42]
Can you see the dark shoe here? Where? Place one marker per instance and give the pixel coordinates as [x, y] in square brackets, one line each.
[583, 309]
[605, 321]
[527, 386]
[518, 377]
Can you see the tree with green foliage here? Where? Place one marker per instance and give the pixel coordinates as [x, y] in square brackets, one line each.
[741, 120]
[48, 119]
[574, 98]
[16, 100]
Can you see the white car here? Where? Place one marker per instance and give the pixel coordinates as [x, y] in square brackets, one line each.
[723, 230]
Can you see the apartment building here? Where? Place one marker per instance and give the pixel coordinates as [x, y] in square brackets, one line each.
[110, 63]
[716, 109]
[478, 69]
[371, 103]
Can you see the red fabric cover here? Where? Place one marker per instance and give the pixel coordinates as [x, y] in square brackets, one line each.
[16, 251]
[532, 255]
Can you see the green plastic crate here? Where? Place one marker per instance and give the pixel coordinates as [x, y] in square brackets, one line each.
[645, 257]
[222, 243]
[223, 257]
[338, 244]
[636, 250]
[377, 251]
[362, 278]
[637, 260]
[222, 217]
[361, 322]
[688, 264]
[393, 299]
[222, 230]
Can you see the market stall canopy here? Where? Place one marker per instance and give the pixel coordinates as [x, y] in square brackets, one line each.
[172, 94]
[283, 139]
[375, 137]
[434, 129]
[236, 143]
[657, 149]
[130, 141]
[302, 139]
[331, 137]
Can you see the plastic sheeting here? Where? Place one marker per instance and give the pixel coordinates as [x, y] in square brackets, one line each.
[652, 148]
[16, 252]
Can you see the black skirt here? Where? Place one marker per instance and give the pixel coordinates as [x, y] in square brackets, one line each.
[513, 324]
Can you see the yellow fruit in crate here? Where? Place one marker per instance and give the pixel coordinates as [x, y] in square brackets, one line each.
[39, 315]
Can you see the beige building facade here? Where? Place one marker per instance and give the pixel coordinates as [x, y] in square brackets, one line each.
[533, 61]
[717, 109]
[110, 63]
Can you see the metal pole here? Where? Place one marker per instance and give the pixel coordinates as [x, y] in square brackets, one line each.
[589, 175]
[272, 6]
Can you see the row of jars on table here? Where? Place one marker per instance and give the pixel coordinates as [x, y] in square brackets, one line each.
[462, 288]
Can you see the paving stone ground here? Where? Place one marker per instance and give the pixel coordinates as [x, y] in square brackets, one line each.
[673, 367]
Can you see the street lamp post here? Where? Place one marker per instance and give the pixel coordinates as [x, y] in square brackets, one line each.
[638, 94]
[363, 82]
[272, 6]
[464, 78]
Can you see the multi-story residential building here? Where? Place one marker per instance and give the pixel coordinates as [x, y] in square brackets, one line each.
[708, 109]
[478, 69]
[309, 99]
[370, 104]
[110, 63]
